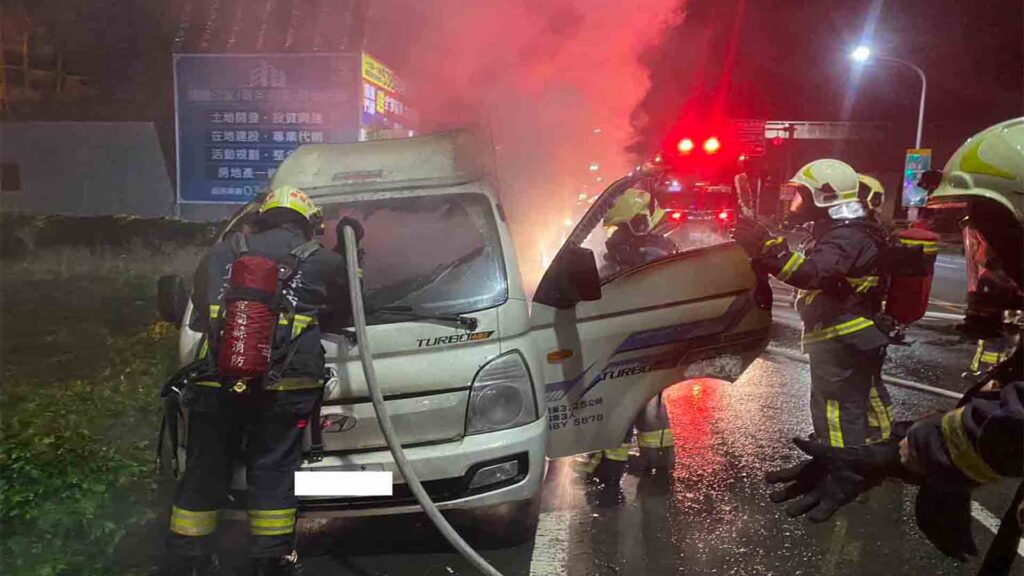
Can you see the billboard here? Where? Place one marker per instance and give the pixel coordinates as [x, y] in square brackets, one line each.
[385, 113]
[918, 160]
[239, 116]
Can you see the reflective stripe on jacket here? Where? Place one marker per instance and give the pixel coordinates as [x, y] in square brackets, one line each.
[977, 443]
[837, 275]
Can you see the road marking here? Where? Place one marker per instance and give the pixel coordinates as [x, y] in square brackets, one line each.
[950, 305]
[944, 265]
[989, 520]
[551, 546]
[943, 316]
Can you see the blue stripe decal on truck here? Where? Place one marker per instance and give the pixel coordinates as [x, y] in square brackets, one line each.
[678, 333]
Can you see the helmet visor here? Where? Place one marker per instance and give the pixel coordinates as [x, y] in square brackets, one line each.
[795, 198]
[640, 224]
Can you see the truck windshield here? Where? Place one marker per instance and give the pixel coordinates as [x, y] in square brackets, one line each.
[437, 254]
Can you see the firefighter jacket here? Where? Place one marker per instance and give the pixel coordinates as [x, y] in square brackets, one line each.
[319, 283]
[980, 442]
[837, 274]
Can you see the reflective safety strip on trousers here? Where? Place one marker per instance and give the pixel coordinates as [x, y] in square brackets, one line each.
[208, 384]
[272, 522]
[192, 522]
[773, 242]
[792, 265]
[863, 284]
[983, 357]
[880, 413]
[835, 432]
[620, 454]
[656, 439]
[962, 452]
[855, 325]
[296, 383]
[928, 246]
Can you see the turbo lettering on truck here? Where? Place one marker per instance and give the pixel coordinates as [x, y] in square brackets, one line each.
[453, 339]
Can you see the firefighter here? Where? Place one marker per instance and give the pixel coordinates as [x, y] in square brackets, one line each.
[840, 296]
[271, 414]
[635, 216]
[635, 240]
[982, 440]
[980, 323]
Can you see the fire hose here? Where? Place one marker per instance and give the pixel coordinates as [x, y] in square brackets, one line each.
[404, 466]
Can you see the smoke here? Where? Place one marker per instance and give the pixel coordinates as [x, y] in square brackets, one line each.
[556, 80]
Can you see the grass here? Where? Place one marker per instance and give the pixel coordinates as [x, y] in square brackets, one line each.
[84, 357]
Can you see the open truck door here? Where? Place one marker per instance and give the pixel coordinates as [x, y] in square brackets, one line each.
[615, 336]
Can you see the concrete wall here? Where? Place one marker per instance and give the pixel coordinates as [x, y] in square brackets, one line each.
[86, 168]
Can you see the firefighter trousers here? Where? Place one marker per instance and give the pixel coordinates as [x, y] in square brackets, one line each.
[849, 403]
[654, 438]
[264, 430]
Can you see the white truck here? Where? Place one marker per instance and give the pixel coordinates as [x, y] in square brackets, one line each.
[479, 410]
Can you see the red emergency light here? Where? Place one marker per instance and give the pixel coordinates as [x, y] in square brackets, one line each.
[678, 216]
[712, 145]
[724, 215]
[685, 146]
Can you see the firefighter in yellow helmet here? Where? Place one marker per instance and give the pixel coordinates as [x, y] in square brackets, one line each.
[982, 440]
[635, 237]
[271, 411]
[634, 241]
[840, 294]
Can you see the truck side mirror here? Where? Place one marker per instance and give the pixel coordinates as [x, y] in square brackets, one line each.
[171, 299]
[572, 278]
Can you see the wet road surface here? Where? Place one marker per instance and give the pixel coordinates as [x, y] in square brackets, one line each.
[713, 516]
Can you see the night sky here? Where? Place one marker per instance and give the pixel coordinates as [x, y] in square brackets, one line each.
[790, 58]
[791, 61]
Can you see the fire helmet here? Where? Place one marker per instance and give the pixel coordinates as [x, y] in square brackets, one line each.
[637, 209]
[986, 176]
[291, 198]
[871, 192]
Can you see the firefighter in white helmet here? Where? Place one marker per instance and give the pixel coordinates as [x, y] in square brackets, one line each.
[840, 294]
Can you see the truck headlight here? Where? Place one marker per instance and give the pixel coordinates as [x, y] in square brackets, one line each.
[502, 396]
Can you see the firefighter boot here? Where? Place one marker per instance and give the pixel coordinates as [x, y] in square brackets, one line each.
[178, 565]
[279, 566]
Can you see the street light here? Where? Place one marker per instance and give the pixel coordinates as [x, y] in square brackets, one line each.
[861, 55]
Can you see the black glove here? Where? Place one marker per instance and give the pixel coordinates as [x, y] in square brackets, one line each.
[944, 515]
[833, 476]
[751, 236]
